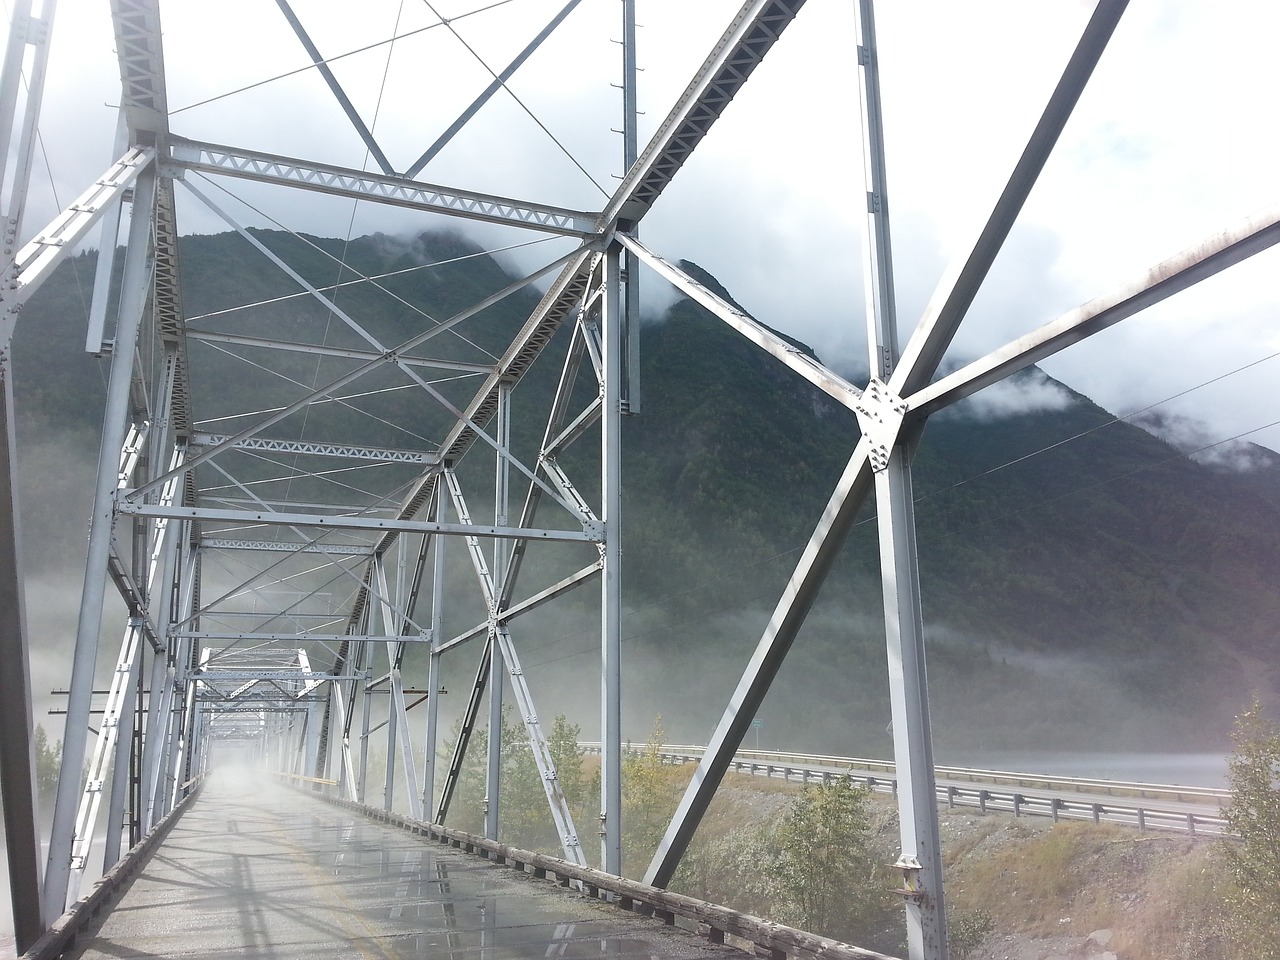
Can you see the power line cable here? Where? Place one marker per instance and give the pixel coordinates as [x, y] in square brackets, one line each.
[334, 59]
[521, 103]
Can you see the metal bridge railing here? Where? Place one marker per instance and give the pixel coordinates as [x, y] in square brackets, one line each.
[768, 940]
[62, 933]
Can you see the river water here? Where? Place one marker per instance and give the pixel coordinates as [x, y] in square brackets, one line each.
[1183, 769]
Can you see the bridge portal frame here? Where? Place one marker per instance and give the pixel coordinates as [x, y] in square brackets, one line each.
[596, 286]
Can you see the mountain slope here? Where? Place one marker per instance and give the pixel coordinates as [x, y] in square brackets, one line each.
[1081, 577]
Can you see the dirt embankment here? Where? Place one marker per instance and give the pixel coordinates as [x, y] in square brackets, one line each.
[1046, 891]
[1075, 891]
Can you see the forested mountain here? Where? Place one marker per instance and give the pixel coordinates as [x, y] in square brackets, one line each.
[1082, 578]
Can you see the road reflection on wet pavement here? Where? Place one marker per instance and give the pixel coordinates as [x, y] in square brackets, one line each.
[256, 870]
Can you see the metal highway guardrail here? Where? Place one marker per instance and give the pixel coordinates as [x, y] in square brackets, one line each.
[1190, 810]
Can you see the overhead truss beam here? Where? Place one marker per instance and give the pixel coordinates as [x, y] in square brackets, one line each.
[317, 449]
[588, 534]
[395, 191]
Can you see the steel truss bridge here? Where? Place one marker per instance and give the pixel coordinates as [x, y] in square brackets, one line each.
[277, 564]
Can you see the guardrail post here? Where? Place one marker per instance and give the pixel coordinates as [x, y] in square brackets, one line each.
[1142, 820]
[951, 798]
[1097, 813]
[1018, 801]
[1191, 824]
[982, 800]
[1054, 803]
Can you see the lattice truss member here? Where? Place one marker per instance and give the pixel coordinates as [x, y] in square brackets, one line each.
[289, 480]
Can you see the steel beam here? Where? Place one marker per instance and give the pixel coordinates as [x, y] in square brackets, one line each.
[499, 81]
[750, 35]
[286, 546]
[788, 616]
[1209, 257]
[140, 50]
[255, 517]
[133, 299]
[955, 292]
[316, 448]
[37, 259]
[17, 752]
[920, 860]
[17, 739]
[611, 826]
[341, 95]
[561, 816]
[433, 668]
[777, 346]
[358, 185]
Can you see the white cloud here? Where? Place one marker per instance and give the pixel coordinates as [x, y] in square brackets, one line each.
[1169, 143]
[1031, 392]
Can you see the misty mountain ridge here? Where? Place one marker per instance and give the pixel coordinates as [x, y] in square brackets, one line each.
[1082, 577]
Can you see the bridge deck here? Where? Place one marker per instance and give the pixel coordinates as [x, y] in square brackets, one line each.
[256, 870]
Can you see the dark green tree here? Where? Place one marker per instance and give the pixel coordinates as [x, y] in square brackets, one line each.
[827, 875]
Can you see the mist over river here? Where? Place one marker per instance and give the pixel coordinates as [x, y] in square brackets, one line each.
[1182, 769]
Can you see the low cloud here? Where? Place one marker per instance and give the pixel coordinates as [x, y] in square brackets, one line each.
[1030, 392]
[1200, 442]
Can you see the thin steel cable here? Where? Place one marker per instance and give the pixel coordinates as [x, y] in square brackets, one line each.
[532, 116]
[1115, 419]
[346, 243]
[334, 59]
[1123, 476]
[370, 279]
[418, 310]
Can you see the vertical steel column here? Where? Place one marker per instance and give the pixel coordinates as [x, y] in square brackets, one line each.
[346, 771]
[493, 780]
[493, 770]
[433, 670]
[132, 303]
[25, 30]
[610, 577]
[366, 706]
[124, 721]
[17, 752]
[920, 860]
[393, 624]
[630, 264]
[160, 753]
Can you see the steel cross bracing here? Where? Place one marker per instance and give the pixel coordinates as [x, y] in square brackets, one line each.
[284, 545]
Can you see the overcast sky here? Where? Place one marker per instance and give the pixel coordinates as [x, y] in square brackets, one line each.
[1173, 140]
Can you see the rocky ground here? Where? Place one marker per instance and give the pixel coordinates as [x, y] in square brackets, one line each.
[1075, 891]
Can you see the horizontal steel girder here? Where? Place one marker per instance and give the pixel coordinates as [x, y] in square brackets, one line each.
[298, 637]
[288, 546]
[318, 449]
[357, 184]
[353, 523]
[241, 675]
